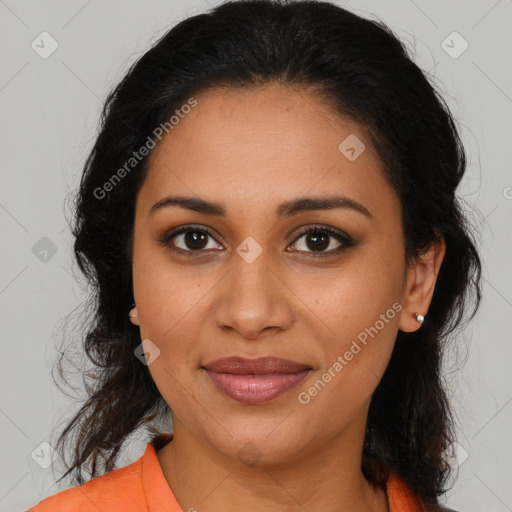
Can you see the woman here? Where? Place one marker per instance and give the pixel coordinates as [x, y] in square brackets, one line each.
[270, 222]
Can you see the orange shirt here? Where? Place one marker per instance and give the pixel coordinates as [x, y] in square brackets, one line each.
[141, 487]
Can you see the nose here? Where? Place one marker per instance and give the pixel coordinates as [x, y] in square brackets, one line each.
[253, 299]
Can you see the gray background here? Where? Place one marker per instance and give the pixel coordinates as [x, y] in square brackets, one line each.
[50, 108]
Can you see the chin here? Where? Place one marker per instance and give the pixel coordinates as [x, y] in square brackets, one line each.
[260, 448]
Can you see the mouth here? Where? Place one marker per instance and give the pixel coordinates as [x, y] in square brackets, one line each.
[255, 381]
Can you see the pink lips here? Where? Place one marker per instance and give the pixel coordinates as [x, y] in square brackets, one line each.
[255, 381]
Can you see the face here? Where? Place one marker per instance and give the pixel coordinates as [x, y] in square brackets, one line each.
[243, 279]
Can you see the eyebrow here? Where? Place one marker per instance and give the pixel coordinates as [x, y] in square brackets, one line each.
[284, 210]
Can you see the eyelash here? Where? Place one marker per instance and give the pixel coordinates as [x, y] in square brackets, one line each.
[344, 239]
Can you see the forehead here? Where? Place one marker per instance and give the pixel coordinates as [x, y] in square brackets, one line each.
[266, 144]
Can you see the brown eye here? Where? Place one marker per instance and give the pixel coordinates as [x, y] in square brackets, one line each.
[190, 239]
[195, 240]
[319, 239]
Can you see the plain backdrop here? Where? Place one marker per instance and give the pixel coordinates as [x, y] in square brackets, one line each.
[50, 105]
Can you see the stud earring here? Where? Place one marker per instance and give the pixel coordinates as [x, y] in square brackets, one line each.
[419, 318]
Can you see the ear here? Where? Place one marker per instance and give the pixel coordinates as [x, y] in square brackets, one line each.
[421, 280]
[134, 318]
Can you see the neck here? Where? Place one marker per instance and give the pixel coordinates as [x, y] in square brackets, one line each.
[328, 479]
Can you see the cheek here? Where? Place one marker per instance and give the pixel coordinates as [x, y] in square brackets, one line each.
[165, 290]
[170, 303]
[170, 315]
[354, 360]
[360, 305]
[352, 296]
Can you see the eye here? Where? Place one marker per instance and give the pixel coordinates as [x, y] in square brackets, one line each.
[189, 239]
[193, 241]
[319, 238]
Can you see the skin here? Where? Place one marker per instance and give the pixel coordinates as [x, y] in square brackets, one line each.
[251, 150]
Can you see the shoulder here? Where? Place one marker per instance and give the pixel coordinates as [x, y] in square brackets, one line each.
[401, 498]
[120, 488]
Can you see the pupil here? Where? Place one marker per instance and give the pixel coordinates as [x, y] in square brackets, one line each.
[195, 239]
[315, 241]
[319, 241]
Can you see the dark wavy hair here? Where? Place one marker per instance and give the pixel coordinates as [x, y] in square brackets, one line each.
[365, 73]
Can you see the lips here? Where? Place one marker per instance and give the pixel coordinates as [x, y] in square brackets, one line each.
[260, 366]
[255, 381]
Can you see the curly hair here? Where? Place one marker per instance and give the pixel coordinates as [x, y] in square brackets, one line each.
[365, 73]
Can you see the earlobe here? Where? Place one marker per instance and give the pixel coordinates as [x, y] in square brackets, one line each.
[420, 284]
[134, 318]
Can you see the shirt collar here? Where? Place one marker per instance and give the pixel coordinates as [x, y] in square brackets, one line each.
[400, 496]
[156, 489]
